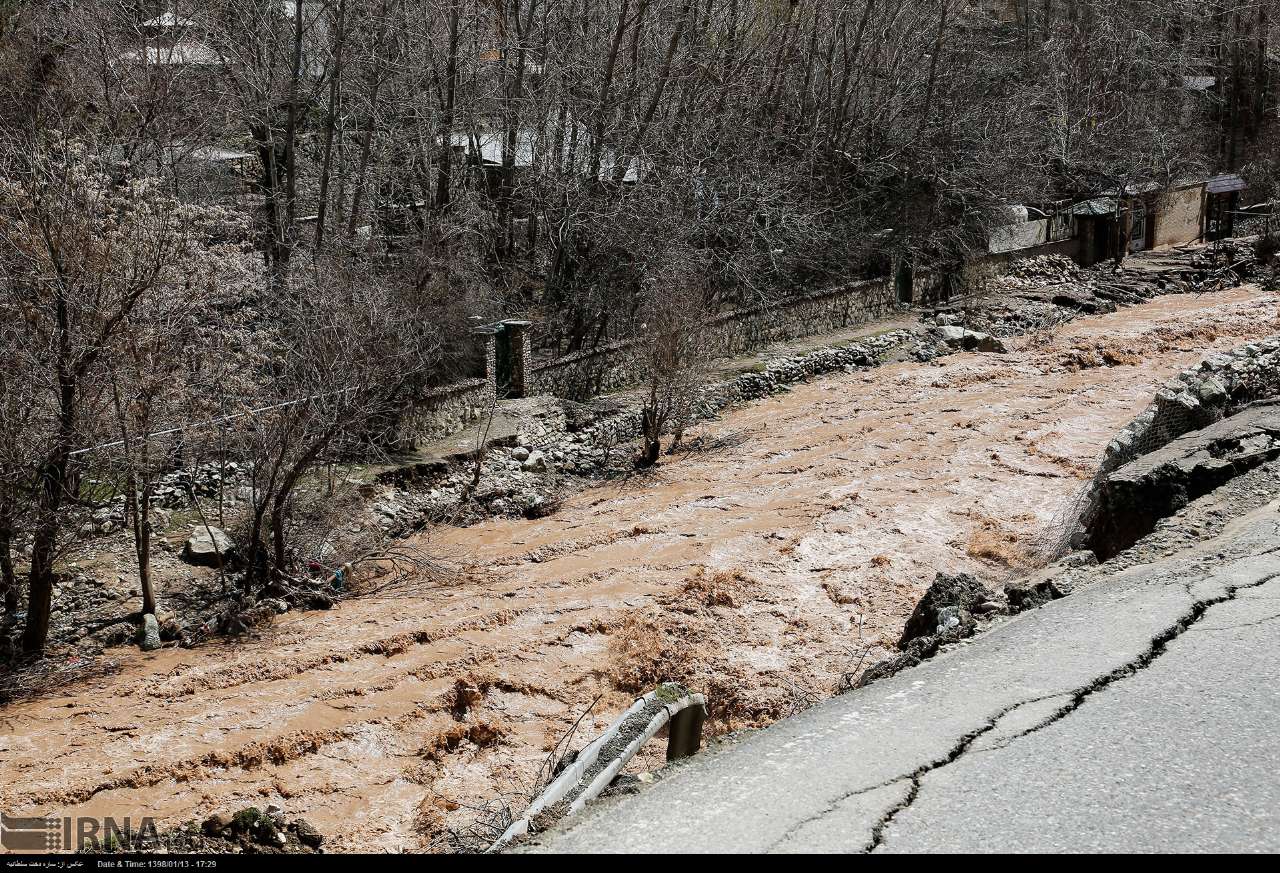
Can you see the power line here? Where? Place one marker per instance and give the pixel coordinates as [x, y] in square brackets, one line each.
[216, 421]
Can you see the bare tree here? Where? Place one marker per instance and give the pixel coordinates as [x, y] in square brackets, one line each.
[79, 254]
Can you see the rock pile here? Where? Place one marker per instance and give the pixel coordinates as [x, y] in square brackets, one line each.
[249, 831]
[1044, 291]
[1038, 271]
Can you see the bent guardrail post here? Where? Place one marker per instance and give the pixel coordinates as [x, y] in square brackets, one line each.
[684, 736]
[599, 763]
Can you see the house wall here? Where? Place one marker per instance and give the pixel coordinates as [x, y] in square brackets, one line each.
[1024, 235]
[1178, 217]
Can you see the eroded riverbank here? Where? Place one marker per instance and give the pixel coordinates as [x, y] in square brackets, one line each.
[761, 572]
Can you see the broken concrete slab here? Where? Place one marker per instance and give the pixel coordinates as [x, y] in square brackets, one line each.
[949, 603]
[1049, 583]
[1131, 499]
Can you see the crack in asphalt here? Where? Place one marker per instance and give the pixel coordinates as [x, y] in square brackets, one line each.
[955, 752]
[830, 808]
[1258, 622]
[917, 775]
[1158, 646]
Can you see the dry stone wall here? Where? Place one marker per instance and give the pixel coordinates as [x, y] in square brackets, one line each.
[621, 364]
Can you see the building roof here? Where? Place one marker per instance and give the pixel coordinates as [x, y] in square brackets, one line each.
[1224, 183]
[1096, 206]
[169, 19]
[181, 53]
[217, 154]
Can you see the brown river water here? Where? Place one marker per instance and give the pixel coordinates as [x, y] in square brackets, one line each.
[760, 570]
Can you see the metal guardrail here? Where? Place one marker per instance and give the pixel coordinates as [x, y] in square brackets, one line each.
[599, 763]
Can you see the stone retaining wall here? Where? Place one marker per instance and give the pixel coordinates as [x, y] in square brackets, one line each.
[752, 385]
[621, 364]
[449, 409]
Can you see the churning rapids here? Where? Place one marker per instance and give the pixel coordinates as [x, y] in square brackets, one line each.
[761, 572]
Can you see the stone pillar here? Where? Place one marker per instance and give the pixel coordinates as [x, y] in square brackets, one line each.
[517, 338]
[489, 337]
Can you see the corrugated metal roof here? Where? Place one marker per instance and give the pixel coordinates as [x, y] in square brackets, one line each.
[1096, 206]
[1224, 183]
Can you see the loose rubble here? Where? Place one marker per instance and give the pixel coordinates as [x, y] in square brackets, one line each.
[249, 831]
[949, 611]
[1039, 293]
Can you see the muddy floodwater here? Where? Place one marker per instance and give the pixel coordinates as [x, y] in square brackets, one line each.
[763, 569]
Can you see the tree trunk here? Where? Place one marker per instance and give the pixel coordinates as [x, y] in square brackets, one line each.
[652, 439]
[54, 482]
[331, 123]
[277, 252]
[664, 76]
[291, 135]
[444, 170]
[933, 67]
[8, 578]
[606, 83]
[140, 512]
[366, 143]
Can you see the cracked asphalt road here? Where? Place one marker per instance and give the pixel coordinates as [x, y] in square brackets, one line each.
[1138, 714]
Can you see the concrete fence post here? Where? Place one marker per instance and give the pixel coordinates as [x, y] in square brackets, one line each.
[598, 764]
